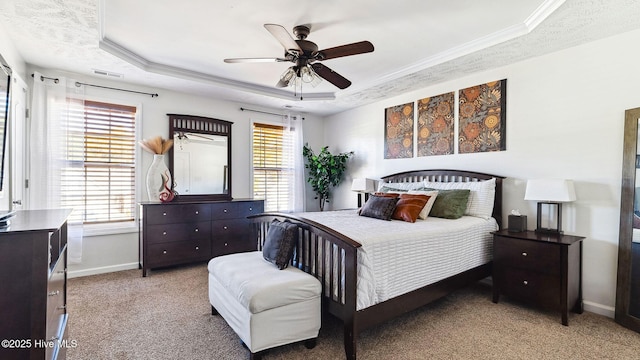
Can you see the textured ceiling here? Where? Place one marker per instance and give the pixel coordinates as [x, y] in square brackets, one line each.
[180, 45]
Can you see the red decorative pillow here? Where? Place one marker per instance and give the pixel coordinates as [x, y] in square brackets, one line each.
[409, 206]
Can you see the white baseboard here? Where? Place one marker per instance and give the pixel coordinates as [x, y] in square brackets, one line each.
[101, 270]
[600, 309]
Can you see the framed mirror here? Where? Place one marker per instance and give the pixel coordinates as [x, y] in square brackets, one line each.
[200, 159]
[628, 282]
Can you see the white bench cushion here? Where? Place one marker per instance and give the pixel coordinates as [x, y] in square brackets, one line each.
[265, 286]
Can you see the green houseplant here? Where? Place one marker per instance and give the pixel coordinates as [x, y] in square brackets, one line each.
[325, 170]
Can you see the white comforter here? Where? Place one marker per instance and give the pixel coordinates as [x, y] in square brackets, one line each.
[397, 257]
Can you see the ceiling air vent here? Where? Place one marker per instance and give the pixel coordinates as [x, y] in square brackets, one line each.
[107, 73]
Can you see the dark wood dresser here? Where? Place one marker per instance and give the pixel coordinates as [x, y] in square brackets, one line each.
[187, 232]
[33, 285]
[541, 269]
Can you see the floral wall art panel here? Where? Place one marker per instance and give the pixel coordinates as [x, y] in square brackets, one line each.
[482, 118]
[435, 125]
[398, 131]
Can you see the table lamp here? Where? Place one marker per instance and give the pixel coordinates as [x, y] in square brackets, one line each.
[550, 192]
[362, 186]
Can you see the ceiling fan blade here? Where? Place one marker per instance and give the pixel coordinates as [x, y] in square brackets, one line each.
[331, 76]
[345, 50]
[254, 60]
[282, 35]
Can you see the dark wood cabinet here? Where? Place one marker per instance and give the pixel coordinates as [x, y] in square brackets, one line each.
[541, 269]
[181, 233]
[33, 286]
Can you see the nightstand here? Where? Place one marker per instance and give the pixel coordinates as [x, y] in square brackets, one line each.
[541, 269]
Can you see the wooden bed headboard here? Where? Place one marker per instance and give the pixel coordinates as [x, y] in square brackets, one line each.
[452, 176]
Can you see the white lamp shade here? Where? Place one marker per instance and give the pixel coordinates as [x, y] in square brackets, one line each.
[363, 185]
[551, 190]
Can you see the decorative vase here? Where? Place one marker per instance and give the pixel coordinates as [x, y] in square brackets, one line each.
[159, 182]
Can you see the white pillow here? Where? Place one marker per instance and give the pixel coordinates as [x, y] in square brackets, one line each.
[424, 213]
[481, 197]
[404, 186]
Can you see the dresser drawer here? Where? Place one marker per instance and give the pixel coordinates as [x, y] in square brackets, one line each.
[231, 228]
[529, 255]
[538, 288]
[178, 252]
[247, 208]
[229, 246]
[178, 232]
[56, 298]
[170, 214]
[227, 210]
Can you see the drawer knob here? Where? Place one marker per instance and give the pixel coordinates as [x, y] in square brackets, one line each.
[250, 208]
[225, 227]
[164, 214]
[525, 282]
[164, 252]
[197, 248]
[524, 254]
[225, 244]
[54, 293]
[197, 212]
[224, 211]
[164, 233]
[197, 230]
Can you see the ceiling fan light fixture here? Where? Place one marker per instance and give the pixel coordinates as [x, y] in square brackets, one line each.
[287, 77]
[309, 76]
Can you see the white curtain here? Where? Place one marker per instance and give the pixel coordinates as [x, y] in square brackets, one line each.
[49, 133]
[293, 124]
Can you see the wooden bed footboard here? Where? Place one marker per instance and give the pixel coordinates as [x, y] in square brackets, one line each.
[332, 258]
[329, 256]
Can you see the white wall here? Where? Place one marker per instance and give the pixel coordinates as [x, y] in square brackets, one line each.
[105, 253]
[565, 114]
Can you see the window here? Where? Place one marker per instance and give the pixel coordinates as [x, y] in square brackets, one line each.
[273, 166]
[98, 176]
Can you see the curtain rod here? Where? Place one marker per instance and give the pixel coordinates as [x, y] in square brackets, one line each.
[55, 80]
[265, 112]
[78, 84]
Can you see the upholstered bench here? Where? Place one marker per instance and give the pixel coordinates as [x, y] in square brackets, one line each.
[264, 305]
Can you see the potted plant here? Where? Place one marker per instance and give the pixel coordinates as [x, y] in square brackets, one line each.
[325, 170]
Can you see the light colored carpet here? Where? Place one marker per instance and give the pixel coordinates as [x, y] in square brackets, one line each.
[167, 316]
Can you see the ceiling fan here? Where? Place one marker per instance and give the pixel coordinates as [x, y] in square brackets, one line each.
[306, 57]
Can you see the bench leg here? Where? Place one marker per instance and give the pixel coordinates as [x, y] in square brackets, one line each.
[214, 311]
[256, 356]
[310, 343]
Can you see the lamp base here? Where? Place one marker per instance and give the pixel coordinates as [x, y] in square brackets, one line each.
[542, 230]
[548, 231]
[366, 197]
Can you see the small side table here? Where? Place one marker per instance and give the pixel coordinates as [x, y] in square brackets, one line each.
[542, 269]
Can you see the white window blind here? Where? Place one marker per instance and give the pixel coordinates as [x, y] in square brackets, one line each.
[272, 166]
[98, 177]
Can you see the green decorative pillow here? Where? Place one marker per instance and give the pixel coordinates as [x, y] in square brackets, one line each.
[450, 204]
[282, 237]
[379, 207]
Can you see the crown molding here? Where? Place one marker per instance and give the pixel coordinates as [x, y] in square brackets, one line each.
[528, 25]
[134, 59]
